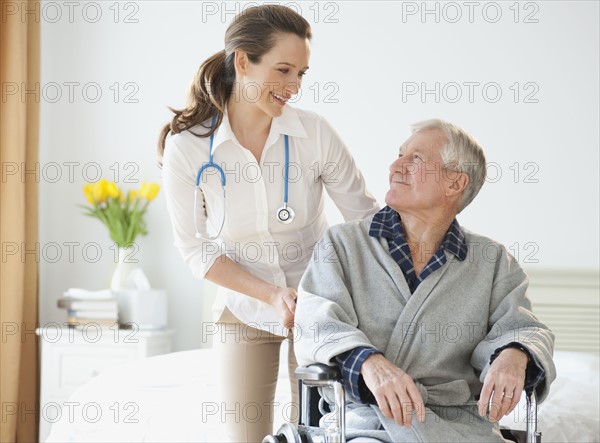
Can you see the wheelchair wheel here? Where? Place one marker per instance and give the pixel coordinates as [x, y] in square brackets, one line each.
[287, 434]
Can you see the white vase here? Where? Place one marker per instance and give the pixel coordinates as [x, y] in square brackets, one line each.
[126, 264]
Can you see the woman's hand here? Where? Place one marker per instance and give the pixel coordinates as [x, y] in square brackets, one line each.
[284, 302]
[230, 275]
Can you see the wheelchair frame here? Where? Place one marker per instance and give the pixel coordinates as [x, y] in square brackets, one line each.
[320, 375]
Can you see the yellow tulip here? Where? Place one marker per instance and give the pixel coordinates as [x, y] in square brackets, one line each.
[89, 192]
[96, 192]
[149, 190]
[132, 195]
[112, 190]
[100, 191]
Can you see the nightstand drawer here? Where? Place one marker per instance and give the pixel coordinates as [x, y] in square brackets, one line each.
[73, 365]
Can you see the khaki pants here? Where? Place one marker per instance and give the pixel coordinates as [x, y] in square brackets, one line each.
[248, 360]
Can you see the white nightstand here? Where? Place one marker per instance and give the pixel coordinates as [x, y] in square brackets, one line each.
[70, 357]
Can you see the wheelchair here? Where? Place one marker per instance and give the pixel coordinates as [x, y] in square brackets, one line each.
[319, 375]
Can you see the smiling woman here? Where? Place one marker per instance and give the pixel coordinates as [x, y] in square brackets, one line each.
[239, 132]
[249, 38]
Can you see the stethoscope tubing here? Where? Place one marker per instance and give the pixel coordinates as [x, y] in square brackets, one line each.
[284, 214]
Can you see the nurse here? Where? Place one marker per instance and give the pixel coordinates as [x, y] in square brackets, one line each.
[262, 193]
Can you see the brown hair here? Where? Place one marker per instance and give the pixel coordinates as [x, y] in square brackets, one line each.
[254, 31]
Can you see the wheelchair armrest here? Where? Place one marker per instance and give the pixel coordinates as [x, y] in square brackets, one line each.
[318, 372]
[320, 375]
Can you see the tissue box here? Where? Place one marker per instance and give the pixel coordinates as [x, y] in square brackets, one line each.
[146, 308]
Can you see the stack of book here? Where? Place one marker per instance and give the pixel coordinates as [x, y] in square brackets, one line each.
[83, 307]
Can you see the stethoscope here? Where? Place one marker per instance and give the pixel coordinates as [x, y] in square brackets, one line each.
[284, 214]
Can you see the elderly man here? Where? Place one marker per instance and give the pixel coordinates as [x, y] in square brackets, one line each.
[422, 316]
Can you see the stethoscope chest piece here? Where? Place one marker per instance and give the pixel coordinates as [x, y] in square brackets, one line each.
[285, 214]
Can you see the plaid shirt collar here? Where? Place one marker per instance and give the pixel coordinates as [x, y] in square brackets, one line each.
[386, 223]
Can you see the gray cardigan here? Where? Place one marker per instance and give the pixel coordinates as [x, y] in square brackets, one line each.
[354, 294]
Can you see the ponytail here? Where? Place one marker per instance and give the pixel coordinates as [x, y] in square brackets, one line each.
[207, 96]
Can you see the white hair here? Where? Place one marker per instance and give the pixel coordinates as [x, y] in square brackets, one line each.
[461, 153]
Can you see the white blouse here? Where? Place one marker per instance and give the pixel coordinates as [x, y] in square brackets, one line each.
[252, 236]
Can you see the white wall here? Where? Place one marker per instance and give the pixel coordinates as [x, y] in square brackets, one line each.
[366, 59]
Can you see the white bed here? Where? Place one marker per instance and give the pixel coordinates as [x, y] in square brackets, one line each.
[166, 398]
[172, 398]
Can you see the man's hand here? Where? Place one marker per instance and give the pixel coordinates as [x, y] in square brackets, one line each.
[395, 391]
[503, 384]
